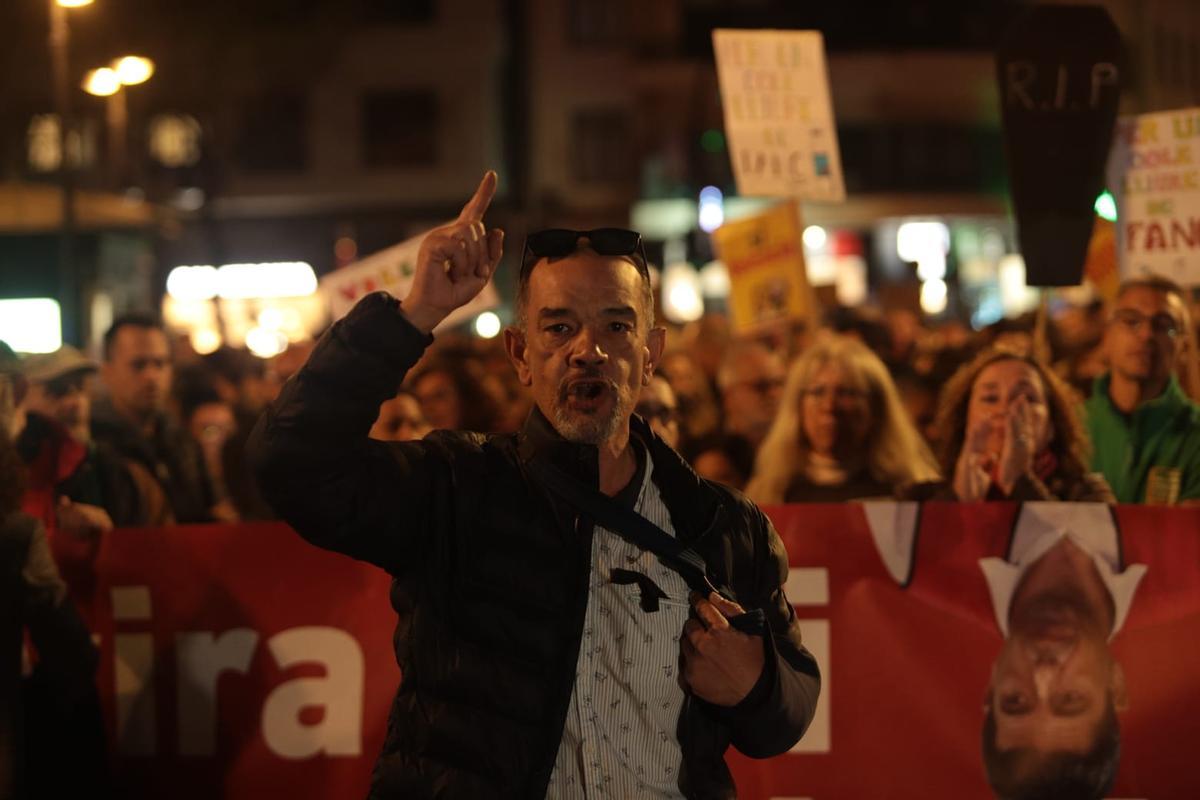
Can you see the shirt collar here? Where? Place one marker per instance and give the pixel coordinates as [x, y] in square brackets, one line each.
[1043, 525]
[1172, 397]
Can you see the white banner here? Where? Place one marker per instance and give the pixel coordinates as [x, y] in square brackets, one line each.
[778, 115]
[391, 271]
[1154, 172]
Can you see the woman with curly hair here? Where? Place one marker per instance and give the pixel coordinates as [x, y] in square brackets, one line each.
[1009, 430]
[841, 432]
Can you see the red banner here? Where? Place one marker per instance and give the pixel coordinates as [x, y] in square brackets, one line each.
[240, 662]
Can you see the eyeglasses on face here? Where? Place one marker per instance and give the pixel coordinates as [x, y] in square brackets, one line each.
[657, 411]
[840, 394]
[762, 386]
[63, 386]
[560, 242]
[1161, 324]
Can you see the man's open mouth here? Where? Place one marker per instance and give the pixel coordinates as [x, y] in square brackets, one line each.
[586, 390]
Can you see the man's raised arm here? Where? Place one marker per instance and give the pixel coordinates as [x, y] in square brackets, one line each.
[310, 451]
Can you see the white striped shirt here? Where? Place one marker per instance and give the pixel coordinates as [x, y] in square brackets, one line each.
[619, 740]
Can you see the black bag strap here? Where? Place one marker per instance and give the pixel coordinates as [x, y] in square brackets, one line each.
[641, 532]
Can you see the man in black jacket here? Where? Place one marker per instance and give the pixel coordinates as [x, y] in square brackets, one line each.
[542, 653]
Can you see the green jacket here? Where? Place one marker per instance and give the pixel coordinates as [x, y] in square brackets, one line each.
[1164, 432]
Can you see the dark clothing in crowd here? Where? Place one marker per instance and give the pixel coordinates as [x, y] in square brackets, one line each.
[1161, 434]
[859, 487]
[33, 600]
[58, 466]
[170, 457]
[243, 489]
[491, 574]
[1087, 488]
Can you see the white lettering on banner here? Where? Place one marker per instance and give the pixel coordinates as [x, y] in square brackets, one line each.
[818, 739]
[131, 603]
[135, 694]
[202, 658]
[134, 673]
[809, 586]
[339, 693]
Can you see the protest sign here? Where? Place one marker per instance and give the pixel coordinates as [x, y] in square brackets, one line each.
[1059, 72]
[1101, 269]
[778, 114]
[765, 259]
[1155, 175]
[391, 271]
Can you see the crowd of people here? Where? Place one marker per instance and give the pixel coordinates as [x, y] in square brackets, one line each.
[1101, 407]
[1097, 403]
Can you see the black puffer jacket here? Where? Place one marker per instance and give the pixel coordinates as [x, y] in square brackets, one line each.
[491, 573]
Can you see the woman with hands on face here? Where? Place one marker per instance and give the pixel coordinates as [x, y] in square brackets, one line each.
[1009, 430]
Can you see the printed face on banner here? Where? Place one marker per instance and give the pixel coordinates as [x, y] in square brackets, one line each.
[778, 115]
[1055, 686]
[1155, 174]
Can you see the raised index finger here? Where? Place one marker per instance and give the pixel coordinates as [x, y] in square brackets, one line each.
[475, 208]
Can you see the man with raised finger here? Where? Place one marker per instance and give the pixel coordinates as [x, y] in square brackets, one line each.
[580, 614]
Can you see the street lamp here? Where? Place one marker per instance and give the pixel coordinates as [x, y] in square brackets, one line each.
[133, 70]
[103, 82]
[59, 42]
[109, 82]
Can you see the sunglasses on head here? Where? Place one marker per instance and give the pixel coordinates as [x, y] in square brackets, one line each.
[560, 242]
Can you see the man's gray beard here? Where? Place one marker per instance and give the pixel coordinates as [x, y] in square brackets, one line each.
[593, 429]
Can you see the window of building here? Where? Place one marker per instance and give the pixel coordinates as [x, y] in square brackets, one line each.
[174, 140]
[274, 133]
[400, 128]
[43, 148]
[601, 147]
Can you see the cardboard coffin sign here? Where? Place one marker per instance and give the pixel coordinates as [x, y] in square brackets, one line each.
[1059, 72]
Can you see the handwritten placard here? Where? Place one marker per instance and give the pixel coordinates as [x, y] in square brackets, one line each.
[1155, 175]
[778, 115]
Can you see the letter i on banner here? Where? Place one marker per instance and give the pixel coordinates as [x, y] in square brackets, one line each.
[137, 717]
[808, 587]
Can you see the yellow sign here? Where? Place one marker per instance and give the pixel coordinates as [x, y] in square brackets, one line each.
[1101, 268]
[765, 258]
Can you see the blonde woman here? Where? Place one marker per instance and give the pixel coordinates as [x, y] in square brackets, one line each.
[841, 432]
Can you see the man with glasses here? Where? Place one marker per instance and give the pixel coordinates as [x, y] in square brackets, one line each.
[751, 383]
[544, 653]
[1145, 430]
[658, 407]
